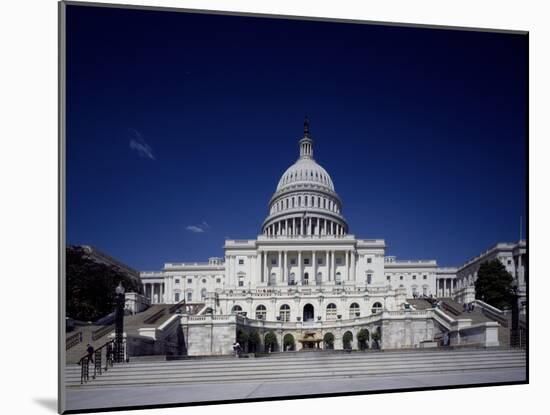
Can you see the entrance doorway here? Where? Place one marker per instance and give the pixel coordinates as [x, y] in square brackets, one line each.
[309, 313]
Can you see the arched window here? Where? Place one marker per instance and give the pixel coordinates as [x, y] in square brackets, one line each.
[261, 312]
[237, 309]
[331, 311]
[354, 310]
[306, 279]
[376, 308]
[284, 312]
[299, 201]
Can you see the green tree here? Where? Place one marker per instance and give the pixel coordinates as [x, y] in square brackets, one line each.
[288, 342]
[270, 341]
[376, 337]
[253, 340]
[242, 339]
[494, 284]
[347, 339]
[363, 339]
[91, 285]
[329, 341]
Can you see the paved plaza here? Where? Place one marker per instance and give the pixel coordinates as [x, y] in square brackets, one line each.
[87, 398]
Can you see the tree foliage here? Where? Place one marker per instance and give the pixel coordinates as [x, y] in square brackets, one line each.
[253, 340]
[91, 285]
[494, 284]
[363, 338]
[347, 339]
[329, 340]
[288, 342]
[270, 341]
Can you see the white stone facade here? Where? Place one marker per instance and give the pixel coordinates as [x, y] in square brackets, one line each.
[306, 266]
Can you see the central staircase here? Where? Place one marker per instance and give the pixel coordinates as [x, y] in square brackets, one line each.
[297, 365]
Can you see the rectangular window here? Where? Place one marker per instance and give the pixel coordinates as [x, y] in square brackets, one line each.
[369, 260]
[177, 280]
[189, 281]
[241, 261]
[388, 278]
[338, 261]
[292, 261]
[401, 277]
[273, 262]
[218, 280]
[509, 262]
[241, 283]
[189, 296]
[369, 278]
[425, 277]
[306, 261]
[177, 297]
[319, 261]
[414, 277]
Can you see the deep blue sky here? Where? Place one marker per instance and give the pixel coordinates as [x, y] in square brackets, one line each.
[176, 120]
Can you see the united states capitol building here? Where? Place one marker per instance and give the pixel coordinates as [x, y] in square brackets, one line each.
[307, 275]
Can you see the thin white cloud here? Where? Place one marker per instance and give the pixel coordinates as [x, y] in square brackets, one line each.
[201, 228]
[138, 144]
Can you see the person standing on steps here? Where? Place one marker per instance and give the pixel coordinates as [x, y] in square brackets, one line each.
[90, 351]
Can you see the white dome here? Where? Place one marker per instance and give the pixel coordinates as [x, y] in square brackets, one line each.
[305, 172]
[305, 203]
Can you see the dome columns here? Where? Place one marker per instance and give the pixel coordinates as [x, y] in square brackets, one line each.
[304, 226]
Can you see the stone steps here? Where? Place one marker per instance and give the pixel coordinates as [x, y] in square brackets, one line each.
[322, 366]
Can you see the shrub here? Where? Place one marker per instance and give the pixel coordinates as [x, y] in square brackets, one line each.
[347, 339]
[329, 341]
[270, 341]
[363, 339]
[253, 340]
[288, 342]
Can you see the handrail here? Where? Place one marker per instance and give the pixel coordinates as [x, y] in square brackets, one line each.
[99, 333]
[448, 307]
[97, 358]
[73, 340]
[154, 317]
[174, 308]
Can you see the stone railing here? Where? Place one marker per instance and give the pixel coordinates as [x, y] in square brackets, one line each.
[73, 340]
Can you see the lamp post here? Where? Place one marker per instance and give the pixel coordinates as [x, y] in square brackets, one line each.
[514, 330]
[119, 323]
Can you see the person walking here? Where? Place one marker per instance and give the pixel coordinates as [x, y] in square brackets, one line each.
[90, 351]
[237, 349]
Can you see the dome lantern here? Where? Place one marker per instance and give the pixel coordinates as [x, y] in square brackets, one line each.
[306, 143]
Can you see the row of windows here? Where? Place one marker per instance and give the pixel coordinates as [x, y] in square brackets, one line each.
[304, 174]
[305, 201]
[190, 280]
[331, 311]
[306, 261]
[388, 277]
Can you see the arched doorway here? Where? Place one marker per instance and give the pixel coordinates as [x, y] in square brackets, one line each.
[309, 313]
